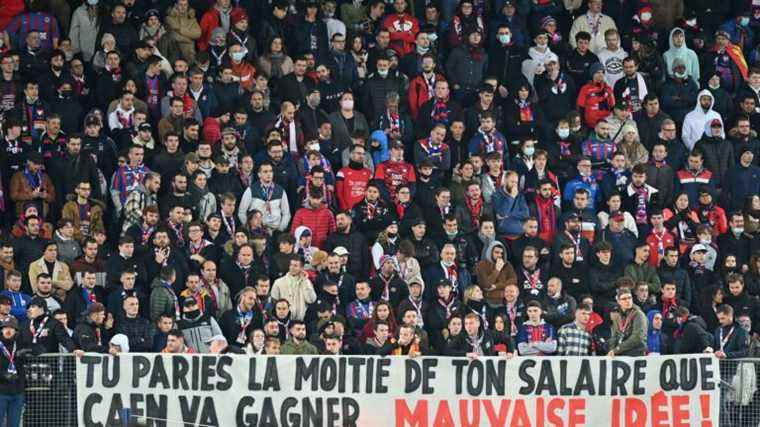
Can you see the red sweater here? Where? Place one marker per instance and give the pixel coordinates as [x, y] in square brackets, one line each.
[321, 221]
[403, 29]
[657, 245]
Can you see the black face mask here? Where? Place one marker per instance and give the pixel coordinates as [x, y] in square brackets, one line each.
[355, 165]
[192, 314]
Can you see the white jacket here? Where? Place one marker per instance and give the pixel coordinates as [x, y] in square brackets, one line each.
[581, 23]
[276, 212]
[298, 291]
[694, 122]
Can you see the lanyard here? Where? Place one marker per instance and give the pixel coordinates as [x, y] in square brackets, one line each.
[11, 355]
[724, 341]
[36, 333]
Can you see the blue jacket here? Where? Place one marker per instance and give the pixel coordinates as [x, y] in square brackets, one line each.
[207, 103]
[740, 183]
[510, 212]
[20, 301]
[593, 189]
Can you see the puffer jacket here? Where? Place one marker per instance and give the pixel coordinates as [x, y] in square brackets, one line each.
[276, 212]
[718, 154]
[184, 25]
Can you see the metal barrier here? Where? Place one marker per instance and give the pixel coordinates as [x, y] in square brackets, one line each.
[51, 395]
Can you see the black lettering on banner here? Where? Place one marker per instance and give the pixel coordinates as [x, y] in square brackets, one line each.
[383, 372]
[356, 363]
[602, 378]
[706, 366]
[312, 414]
[428, 374]
[459, 365]
[413, 376]
[157, 406]
[286, 418]
[242, 417]
[89, 402]
[208, 414]
[306, 373]
[267, 415]
[180, 367]
[158, 374]
[564, 390]
[369, 380]
[526, 378]
[208, 367]
[90, 362]
[223, 363]
[546, 381]
[585, 383]
[620, 374]
[332, 414]
[342, 375]
[496, 374]
[689, 373]
[189, 411]
[196, 371]
[112, 380]
[350, 411]
[140, 369]
[475, 378]
[328, 374]
[271, 375]
[639, 374]
[113, 410]
[668, 375]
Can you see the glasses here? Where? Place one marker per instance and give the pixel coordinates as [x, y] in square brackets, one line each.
[624, 298]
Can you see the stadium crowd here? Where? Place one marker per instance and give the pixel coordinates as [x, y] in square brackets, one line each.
[456, 178]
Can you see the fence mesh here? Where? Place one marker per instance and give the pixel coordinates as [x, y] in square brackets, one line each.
[51, 395]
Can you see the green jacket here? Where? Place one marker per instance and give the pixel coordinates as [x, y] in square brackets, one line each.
[305, 348]
[162, 301]
[631, 341]
[644, 273]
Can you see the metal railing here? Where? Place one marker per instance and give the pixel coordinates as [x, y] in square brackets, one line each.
[51, 394]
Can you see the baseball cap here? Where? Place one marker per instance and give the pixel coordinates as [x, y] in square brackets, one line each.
[10, 322]
[340, 251]
[699, 247]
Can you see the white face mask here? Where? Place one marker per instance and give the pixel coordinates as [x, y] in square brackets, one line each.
[432, 37]
[92, 2]
[691, 22]
[646, 16]
[505, 38]
[238, 56]
[563, 132]
[382, 73]
[541, 45]
[423, 49]
[347, 104]
[528, 151]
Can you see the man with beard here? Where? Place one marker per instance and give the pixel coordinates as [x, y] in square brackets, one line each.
[85, 214]
[355, 243]
[144, 196]
[239, 272]
[237, 323]
[439, 109]
[83, 296]
[387, 285]
[42, 333]
[345, 281]
[297, 343]
[179, 196]
[162, 254]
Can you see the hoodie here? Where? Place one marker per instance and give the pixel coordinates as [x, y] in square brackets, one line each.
[380, 153]
[654, 336]
[718, 153]
[688, 56]
[694, 122]
[494, 281]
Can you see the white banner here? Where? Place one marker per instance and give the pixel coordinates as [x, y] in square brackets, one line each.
[227, 391]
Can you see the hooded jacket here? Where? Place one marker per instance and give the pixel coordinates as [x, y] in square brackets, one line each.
[491, 280]
[688, 56]
[718, 153]
[298, 291]
[694, 122]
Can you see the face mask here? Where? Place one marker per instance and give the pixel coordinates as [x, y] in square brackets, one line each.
[576, 129]
[691, 22]
[238, 56]
[347, 104]
[744, 21]
[738, 230]
[645, 17]
[451, 235]
[528, 151]
[423, 49]
[505, 38]
[704, 240]
[680, 75]
[329, 15]
[541, 45]
[92, 2]
[563, 132]
[314, 147]
[432, 37]
[382, 73]
[192, 314]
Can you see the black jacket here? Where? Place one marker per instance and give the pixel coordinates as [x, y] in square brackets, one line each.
[356, 243]
[90, 337]
[139, 332]
[75, 305]
[397, 289]
[232, 327]
[462, 344]
[48, 335]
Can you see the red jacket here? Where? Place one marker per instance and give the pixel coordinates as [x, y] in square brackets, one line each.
[321, 221]
[403, 29]
[597, 101]
[657, 245]
[8, 10]
[351, 186]
[394, 174]
[418, 93]
[209, 21]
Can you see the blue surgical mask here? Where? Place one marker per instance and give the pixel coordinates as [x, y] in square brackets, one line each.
[432, 37]
[505, 38]
[744, 21]
[563, 132]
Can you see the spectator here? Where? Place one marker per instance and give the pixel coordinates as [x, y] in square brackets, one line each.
[572, 338]
[629, 330]
[535, 336]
